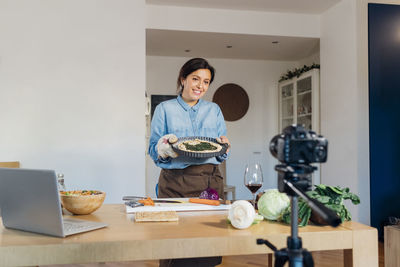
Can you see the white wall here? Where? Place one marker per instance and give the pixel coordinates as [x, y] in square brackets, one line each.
[72, 80]
[250, 134]
[232, 21]
[308, 61]
[344, 106]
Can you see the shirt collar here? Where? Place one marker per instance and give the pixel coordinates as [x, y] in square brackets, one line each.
[186, 107]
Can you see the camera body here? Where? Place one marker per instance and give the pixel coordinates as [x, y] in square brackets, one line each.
[299, 146]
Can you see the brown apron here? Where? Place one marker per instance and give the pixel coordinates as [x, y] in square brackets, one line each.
[190, 182]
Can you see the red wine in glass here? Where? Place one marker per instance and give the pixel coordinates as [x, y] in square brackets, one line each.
[253, 187]
[253, 179]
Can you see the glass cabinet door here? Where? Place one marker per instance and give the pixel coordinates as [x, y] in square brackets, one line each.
[304, 102]
[299, 104]
[287, 105]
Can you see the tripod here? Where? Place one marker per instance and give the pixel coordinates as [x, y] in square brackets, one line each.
[293, 180]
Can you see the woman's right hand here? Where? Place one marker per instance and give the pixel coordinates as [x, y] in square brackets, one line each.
[164, 148]
[224, 140]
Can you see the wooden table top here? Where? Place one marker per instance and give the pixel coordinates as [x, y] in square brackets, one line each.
[196, 234]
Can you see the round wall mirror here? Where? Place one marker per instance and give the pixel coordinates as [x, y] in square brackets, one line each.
[233, 101]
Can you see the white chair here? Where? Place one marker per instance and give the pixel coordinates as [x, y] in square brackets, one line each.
[10, 164]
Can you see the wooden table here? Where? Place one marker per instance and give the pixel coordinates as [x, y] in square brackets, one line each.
[392, 245]
[197, 234]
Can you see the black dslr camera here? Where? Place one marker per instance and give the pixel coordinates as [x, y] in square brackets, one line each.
[299, 146]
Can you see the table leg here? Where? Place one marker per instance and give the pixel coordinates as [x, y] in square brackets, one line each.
[365, 250]
[270, 255]
[348, 257]
[392, 245]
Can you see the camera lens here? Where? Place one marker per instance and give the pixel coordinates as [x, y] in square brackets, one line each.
[320, 153]
[272, 146]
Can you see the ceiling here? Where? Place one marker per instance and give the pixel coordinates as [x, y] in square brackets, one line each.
[244, 46]
[289, 6]
[214, 45]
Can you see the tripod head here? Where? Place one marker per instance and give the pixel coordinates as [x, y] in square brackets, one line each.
[300, 175]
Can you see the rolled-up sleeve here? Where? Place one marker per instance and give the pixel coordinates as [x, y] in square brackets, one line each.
[157, 131]
[221, 126]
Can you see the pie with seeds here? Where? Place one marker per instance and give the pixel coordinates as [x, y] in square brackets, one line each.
[199, 146]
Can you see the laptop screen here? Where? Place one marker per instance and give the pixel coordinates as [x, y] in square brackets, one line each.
[29, 201]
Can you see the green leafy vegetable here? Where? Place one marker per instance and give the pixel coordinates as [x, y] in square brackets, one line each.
[200, 147]
[272, 204]
[331, 196]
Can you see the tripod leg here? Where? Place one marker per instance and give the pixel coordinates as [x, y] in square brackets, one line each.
[307, 259]
[281, 257]
[280, 262]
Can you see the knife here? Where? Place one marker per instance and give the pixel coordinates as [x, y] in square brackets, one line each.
[134, 198]
[133, 204]
[166, 201]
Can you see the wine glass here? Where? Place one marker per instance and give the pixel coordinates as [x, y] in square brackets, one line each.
[253, 179]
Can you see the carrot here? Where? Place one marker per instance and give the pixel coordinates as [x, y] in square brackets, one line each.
[147, 202]
[204, 201]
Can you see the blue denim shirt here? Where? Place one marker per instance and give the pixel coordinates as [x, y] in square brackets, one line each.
[175, 116]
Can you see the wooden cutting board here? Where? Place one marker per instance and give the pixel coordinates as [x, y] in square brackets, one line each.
[183, 205]
[156, 216]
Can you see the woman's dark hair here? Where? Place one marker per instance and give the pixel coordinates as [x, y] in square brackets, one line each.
[191, 66]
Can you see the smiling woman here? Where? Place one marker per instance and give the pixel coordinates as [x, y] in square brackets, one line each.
[184, 172]
[197, 83]
[195, 73]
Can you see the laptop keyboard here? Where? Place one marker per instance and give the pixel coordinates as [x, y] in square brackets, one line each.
[73, 226]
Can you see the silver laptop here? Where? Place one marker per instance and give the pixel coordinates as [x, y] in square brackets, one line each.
[30, 201]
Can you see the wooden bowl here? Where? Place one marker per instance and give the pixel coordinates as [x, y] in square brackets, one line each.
[80, 204]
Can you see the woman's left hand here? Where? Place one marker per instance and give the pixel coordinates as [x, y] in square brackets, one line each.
[224, 140]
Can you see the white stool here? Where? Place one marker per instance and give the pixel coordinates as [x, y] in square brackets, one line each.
[227, 188]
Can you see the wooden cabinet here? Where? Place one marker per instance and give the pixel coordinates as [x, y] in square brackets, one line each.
[299, 101]
[299, 104]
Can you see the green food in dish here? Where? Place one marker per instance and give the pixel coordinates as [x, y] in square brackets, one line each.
[200, 147]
